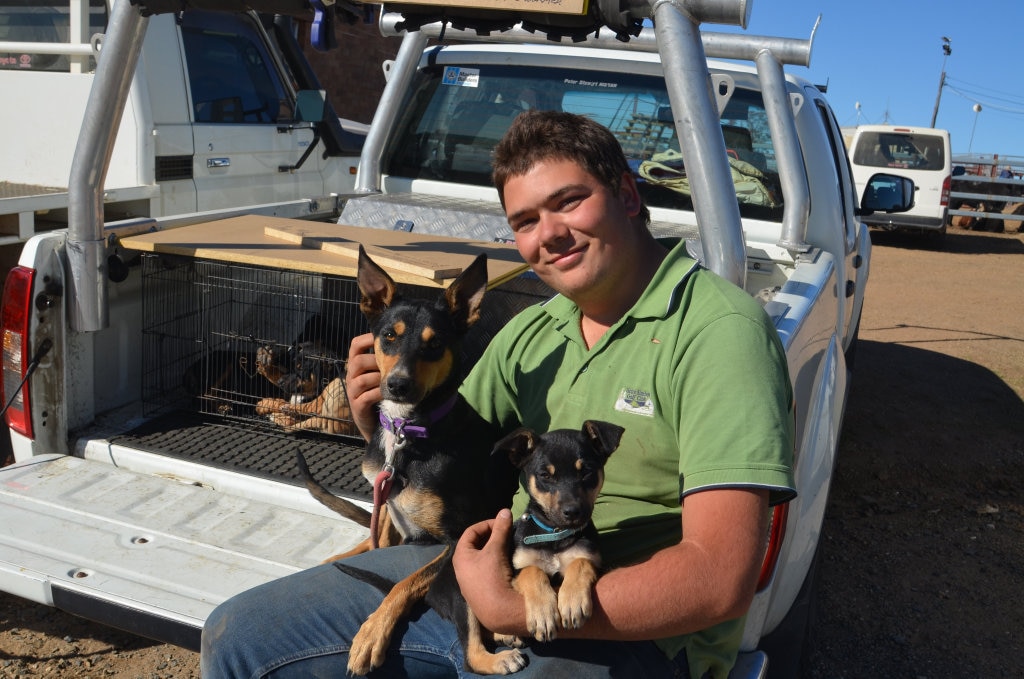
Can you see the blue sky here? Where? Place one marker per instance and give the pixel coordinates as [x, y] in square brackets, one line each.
[887, 55]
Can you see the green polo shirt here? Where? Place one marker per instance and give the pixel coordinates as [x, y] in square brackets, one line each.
[696, 375]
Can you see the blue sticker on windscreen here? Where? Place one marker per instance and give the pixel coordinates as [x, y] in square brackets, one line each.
[462, 77]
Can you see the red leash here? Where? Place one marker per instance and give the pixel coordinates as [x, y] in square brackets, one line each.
[381, 492]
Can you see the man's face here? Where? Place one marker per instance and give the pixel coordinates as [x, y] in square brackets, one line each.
[573, 231]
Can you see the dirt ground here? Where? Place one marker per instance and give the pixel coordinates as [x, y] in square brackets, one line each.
[923, 554]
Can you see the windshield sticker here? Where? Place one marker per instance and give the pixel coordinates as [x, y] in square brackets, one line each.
[461, 77]
[591, 83]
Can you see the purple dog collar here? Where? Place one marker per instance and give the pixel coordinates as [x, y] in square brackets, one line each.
[401, 428]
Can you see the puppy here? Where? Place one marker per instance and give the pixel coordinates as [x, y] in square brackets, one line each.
[555, 538]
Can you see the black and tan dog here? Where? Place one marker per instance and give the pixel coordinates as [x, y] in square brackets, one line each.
[427, 487]
[555, 538]
[309, 375]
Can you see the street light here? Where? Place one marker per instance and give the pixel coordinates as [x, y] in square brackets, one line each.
[946, 51]
[977, 110]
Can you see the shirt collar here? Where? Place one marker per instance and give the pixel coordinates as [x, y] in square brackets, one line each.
[673, 272]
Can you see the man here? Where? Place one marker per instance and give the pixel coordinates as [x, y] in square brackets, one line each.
[638, 335]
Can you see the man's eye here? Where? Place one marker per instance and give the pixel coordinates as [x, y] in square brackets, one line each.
[523, 226]
[569, 203]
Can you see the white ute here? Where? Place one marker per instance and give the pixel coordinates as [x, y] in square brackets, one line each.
[148, 488]
[221, 112]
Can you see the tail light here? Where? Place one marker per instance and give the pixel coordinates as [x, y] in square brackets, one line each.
[776, 532]
[16, 315]
[946, 183]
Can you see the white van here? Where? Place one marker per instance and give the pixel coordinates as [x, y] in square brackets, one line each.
[920, 153]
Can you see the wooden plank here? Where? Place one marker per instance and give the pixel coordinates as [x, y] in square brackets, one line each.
[244, 240]
[349, 248]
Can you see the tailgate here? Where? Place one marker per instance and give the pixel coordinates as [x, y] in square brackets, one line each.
[143, 553]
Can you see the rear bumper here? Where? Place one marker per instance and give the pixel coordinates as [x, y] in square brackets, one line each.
[905, 221]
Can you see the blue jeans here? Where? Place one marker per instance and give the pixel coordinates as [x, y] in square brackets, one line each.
[301, 626]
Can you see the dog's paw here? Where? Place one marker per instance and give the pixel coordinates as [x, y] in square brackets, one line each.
[268, 406]
[264, 359]
[574, 606]
[542, 619]
[481, 661]
[509, 661]
[368, 649]
[509, 640]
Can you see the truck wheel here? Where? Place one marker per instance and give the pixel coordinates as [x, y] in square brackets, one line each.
[851, 351]
[937, 239]
[790, 644]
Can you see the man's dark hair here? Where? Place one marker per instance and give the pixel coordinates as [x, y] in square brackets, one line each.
[536, 135]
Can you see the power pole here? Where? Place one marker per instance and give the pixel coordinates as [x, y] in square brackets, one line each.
[946, 51]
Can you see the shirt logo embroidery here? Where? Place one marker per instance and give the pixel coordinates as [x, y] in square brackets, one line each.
[635, 401]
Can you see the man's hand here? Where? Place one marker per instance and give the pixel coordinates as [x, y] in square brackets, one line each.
[482, 567]
[362, 384]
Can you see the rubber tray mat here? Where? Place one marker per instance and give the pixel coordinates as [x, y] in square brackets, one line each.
[262, 452]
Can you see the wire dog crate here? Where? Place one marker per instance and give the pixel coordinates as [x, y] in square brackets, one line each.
[267, 347]
[245, 342]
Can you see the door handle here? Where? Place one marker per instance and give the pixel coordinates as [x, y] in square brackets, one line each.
[218, 162]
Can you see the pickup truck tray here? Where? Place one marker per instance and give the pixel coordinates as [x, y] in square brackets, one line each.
[146, 553]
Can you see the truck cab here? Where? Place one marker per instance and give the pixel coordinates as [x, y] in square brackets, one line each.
[213, 117]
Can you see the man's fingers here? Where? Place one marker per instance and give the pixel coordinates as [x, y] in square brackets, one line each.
[475, 537]
[360, 344]
[501, 528]
[362, 384]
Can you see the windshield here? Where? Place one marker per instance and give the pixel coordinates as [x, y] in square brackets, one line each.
[456, 115]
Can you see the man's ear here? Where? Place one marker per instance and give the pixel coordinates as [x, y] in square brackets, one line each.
[629, 194]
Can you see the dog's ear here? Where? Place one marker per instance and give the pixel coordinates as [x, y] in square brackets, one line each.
[518, 446]
[466, 293]
[376, 286]
[604, 436]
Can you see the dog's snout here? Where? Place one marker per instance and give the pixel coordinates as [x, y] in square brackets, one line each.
[399, 386]
[572, 511]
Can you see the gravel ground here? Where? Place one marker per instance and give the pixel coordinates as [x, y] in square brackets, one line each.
[923, 557]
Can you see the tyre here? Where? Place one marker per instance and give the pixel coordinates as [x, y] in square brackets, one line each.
[789, 645]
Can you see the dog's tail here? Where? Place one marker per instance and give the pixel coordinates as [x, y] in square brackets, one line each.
[350, 511]
[378, 581]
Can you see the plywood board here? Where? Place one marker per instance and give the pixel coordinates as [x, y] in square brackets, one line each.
[385, 258]
[245, 240]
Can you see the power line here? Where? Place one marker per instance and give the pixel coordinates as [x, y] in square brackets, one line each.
[989, 103]
[990, 92]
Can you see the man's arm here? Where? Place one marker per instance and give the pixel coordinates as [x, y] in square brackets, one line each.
[362, 384]
[708, 578]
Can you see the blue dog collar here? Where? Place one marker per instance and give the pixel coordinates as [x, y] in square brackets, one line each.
[549, 534]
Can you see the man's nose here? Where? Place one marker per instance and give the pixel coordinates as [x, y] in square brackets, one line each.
[552, 228]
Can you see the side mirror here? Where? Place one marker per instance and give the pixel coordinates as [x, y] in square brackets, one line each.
[310, 106]
[887, 193]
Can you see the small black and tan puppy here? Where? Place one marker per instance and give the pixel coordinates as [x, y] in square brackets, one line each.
[555, 538]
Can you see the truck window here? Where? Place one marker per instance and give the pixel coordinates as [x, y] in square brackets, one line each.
[905, 150]
[231, 74]
[455, 116]
[31, 21]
